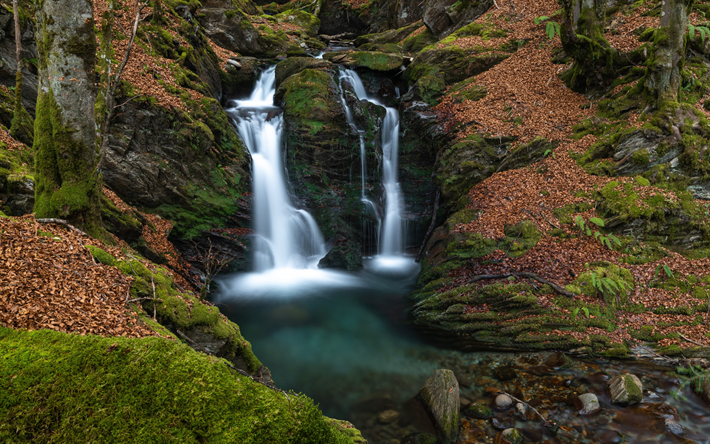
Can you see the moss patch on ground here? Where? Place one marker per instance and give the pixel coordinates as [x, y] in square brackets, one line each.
[140, 390]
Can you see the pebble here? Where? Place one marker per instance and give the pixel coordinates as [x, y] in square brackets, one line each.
[673, 427]
[521, 408]
[500, 424]
[503, 402]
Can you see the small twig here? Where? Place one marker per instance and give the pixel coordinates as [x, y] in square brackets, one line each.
[494, 2]
[124, 103]
[60, 222]
[152, 282]
[691, 341]
[527, 405]
[128, 301]
[528, 275]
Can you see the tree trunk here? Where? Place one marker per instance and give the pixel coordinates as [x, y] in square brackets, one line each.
[583, 39]
[17, 116]
[65, 130]
[663, 77]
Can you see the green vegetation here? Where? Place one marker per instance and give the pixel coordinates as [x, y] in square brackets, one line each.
[140, 390]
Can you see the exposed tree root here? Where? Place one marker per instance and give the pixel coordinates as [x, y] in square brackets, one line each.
[528, 275]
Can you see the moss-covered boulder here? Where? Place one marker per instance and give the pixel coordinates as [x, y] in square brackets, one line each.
[453, 63]
[625, 389]
[464, 164]
[308, 22]
[16, 181]
[440, 396]
[376, 61]
[157, 390]
[185, 315]
[294, 65]
[525, 154]
[390, 36]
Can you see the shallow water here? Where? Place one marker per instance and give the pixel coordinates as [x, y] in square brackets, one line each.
[342, 339]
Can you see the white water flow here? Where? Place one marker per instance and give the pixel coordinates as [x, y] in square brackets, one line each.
[287, 237]
[392, 233]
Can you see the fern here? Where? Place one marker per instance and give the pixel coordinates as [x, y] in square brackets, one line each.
[552, 28]
[668, 271]
[596, 221]
[702, 30]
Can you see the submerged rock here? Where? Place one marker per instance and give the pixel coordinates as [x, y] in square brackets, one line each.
[479, 411]
[587, 404]
[388, 416]
[509, 436]
[440, 396]
[625, 389]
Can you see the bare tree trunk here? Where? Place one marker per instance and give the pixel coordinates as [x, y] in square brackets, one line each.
[663, 77]
[65, 129]
[17, 117]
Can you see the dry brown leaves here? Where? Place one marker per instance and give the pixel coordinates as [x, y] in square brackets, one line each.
[156, 234]
[51, 281]
[527, 85]
[222, 54]
[143, 71]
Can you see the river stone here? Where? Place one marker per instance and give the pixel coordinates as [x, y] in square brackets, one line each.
[509, 436]
[388, 416]
[625, 389]
[479, 411]
[503, 402]
[587, 404]
[440, 396]
[673, 427]
[505, 373]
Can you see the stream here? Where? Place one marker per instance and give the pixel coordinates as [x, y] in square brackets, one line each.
[343, 338]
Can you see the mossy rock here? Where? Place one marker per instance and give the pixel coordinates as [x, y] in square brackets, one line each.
[184, 312]
[415, 44]
[465, 164]
[376, 61]
[294, 65]
[158, 390]
[390, 36]
[344, 255]
[527, 154]
[478, 410]
[308, 22]
[453, 64]
[102, 256]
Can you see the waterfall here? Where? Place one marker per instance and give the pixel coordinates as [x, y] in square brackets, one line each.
[392, 233]
[287, 237]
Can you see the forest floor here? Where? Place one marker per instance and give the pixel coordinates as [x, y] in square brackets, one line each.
[526, 88]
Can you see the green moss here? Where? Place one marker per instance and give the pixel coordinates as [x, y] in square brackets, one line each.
[101, 255]
[377, 61]
[308, 22]
[66, 186]
[184, 311]
[480, 411]
[158, 390]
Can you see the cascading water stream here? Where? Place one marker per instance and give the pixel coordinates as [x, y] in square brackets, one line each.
[287, 237]
[392, 233]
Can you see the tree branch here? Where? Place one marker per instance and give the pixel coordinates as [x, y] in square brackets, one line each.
[61, 222]
[528, 275]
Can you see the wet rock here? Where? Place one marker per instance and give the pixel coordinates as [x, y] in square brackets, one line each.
[479, 411]
[557, 360]
[388, 416]
[674, 427]
[440, 395]
[520, 409]
[509, 436]
[344, 256]
[500, 424]
[505, 373]
[463, 380]
[625, 389]
[503, 402]
[609, 437]
[587, 404]
[374, 60]
[527, 154]
[294, 65]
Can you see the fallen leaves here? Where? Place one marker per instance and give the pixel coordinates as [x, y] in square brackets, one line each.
[48, 279]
